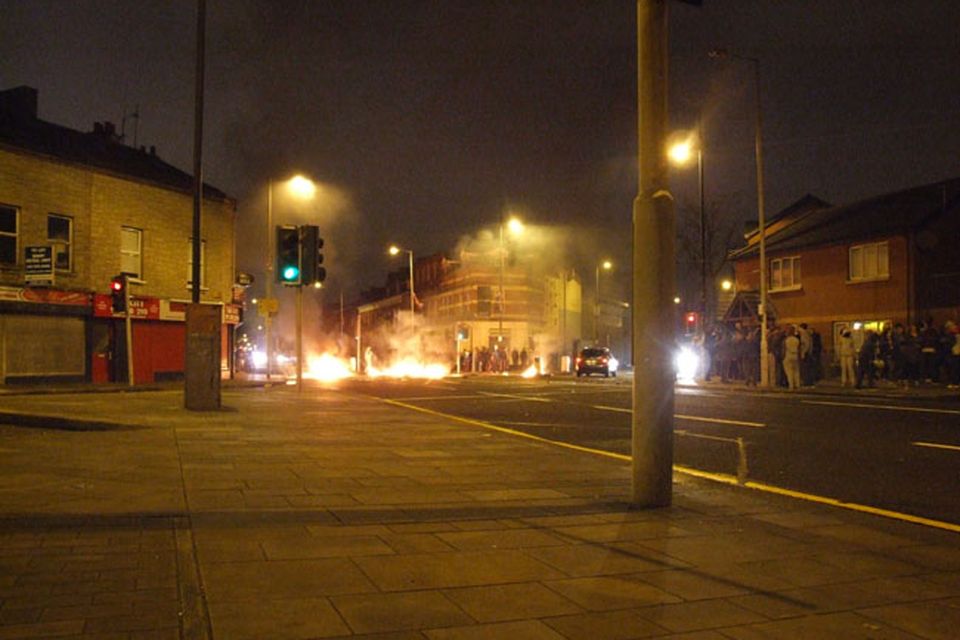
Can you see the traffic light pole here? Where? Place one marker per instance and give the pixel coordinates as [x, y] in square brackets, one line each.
[299, 338]
[128, 327]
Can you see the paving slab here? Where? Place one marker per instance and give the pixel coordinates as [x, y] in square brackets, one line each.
[333, 514]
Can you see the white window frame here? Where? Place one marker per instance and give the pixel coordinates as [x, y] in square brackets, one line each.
[15, 235]
[777, 267]
[203, 265]
[868, 262]
[127, 254]
[59, 245]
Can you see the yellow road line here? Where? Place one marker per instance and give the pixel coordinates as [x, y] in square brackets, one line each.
[934, 445]
[512, 432]
[889, 407]
[707, 475]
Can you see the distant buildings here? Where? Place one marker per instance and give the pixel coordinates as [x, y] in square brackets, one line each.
[104, 208]
[459, 304]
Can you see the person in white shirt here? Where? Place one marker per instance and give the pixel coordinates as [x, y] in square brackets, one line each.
[791, 358]
[848, 352]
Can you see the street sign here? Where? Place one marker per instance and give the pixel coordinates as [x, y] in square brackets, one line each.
[244, 279]
[268, 306]
[39, 266]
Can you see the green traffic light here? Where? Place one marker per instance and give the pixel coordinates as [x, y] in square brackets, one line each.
[290, 273]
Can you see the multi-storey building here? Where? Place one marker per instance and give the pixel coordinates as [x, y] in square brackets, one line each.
[478, 305]
[105, 209]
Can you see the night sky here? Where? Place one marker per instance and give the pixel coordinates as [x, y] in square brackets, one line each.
[426, 119]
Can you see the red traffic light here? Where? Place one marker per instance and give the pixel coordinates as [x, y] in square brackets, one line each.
[691, 318]
[116, 285]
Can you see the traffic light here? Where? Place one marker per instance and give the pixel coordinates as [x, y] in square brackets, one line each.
[118, 293]
[691, 321]
[312, 255]
[288, 255]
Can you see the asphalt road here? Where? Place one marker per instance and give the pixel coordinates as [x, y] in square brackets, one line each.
[901, 455]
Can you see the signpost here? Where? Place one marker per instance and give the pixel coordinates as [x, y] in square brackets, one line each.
[39, 266]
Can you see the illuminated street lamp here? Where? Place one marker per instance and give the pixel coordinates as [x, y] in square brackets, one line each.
[304, 189]
[680, 154]
[761, 216]
[395, 250]
[726, 285]
[515, 227]
[606, 265]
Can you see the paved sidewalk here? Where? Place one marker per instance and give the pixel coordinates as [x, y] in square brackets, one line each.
[336, 515]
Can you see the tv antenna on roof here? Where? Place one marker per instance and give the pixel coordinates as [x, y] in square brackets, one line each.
[123, 125]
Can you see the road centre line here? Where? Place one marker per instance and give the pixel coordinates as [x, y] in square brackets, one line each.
[889, 407]
[703, 436]
[935, 445]
[715, 477]
[513, 396]
[680, 416]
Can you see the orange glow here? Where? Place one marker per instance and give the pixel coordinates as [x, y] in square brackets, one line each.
[410, 368]
[327, 368]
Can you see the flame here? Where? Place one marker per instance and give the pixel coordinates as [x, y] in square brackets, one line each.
[530, 372]
[410, 368]
[327, 368]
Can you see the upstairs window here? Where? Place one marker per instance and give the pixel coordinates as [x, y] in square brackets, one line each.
[9, 231]
[131, 246]
[60, 235]
[203, 277]
[869, 262]
[784, 274]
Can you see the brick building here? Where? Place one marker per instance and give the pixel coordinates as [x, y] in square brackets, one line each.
[539, 313]
[888, 259]
[104, 208]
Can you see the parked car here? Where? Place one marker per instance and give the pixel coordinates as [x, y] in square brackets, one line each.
[596, 360]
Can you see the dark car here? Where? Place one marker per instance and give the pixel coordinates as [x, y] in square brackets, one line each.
[596, 360]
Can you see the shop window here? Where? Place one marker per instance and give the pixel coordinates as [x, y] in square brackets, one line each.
[869, 262]
[60, 235]
[131, 256]
[9, 232]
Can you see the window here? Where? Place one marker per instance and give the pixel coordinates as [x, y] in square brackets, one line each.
[60, 235]
[785, 274]
[203, 252]
[9, 227]
[484, 300]
[131, 243]
[869, 262]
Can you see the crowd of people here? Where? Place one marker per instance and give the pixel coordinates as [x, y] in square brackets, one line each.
[905, 355]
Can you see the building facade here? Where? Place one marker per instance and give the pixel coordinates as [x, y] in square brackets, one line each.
[868, 265]
[104, 209]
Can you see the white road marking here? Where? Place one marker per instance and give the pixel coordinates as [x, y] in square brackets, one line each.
[514, 396]
[702, 436]
[934, 445]
[679, 416]
[888, 407]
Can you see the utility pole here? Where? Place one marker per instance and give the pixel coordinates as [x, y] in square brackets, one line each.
[653, 270]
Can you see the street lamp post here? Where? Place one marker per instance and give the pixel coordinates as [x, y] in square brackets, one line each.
[680, 155]
[395, 250]
[515, 227]
[761, 216]
[606, 265]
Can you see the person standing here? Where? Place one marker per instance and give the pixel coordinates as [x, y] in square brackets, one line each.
[791, 358]
[868, 353]
[806, 348]
[848, 374]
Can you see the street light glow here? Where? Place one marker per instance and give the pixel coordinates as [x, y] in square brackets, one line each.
[393, 250]
[676, 300]
[726, 285]
[302, 187]
[681, 152]
[607, 265]
[515, 226]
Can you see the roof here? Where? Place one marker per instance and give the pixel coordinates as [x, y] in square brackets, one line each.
[885, 215]
[100, 148]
